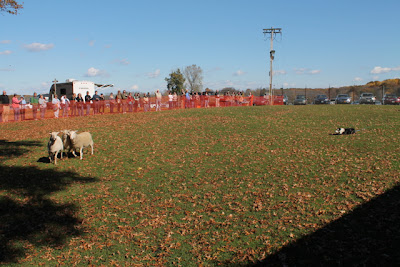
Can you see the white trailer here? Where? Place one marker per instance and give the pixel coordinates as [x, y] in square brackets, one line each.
[71, 86]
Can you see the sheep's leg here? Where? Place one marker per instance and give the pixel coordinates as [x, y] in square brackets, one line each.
[81, 152]
[55, 158]
[73, 153]
[92, 148]
[61, 154]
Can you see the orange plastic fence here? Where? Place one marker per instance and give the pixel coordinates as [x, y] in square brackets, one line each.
[34, 112]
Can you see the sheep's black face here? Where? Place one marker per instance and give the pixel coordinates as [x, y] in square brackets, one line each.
[53, 136]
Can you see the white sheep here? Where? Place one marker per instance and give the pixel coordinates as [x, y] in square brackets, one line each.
[80, 141]
[54, 146]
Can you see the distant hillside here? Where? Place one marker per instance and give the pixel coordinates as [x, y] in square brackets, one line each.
[388, 83]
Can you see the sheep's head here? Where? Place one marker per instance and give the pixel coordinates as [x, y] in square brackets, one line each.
[72, 134]
[65, 134]
[53, 136]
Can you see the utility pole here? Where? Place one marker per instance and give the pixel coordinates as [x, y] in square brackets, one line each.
[55, 88]
[272, 32]
[329, 93]
[305, 93]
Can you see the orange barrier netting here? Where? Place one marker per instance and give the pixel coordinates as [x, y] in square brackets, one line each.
[34, 112]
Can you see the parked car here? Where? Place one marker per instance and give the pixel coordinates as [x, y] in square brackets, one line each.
[321, 99]
[300, 100]
[343, 99]
[389, 99]
[367, 98]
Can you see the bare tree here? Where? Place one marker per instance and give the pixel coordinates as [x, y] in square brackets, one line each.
[194, 78]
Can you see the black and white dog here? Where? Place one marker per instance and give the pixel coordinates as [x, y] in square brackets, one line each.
[340, 131]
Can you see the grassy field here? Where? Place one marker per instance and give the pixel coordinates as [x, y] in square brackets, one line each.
[229, 186]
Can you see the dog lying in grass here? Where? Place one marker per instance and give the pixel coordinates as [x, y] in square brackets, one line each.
[342, 131]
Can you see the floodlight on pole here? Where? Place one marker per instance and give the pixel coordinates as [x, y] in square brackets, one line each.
[272, 32]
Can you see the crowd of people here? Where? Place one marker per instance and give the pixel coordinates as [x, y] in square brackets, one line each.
[121, 102]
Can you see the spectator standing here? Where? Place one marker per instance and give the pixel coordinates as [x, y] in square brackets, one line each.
[251, 98]
[175, 100]
[206, 100]
[56, 106]
[192, 100]
[224, 99]
[73, 105]
[129, 99]
[170, 100]
[140, 101]
[149, 102]
[136, 99]
[102, 103]
[183, 99]
[16, 107]
[202, 99]
[158, 100]
[124, 101]
[145, 103]
[64, 105]
[42, 106]
[87, 103]
[124, 94]
[96, 103]
[197, 100]
[240, 98]
[187, 99]
[217, 99]
[22, 104]
[118, 99]
[34, 101]
[5, 105]
[112, 102]
[79, 104]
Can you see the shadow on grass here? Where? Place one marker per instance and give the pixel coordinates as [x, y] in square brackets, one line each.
[15, 149]
[367, 236]
[28, 217]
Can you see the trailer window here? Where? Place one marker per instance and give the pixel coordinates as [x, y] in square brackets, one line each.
[63, 91]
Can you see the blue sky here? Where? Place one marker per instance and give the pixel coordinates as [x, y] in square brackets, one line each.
[136, 44]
